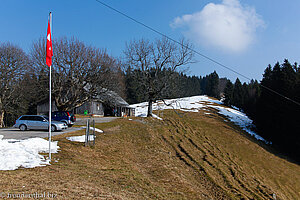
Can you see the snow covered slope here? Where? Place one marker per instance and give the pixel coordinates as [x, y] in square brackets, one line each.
[196, 103]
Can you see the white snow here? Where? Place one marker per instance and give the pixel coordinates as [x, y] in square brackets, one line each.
[96, 129]
[240, 119]
[80, 138]
[190, 104]
[24, 153]
[157, 117]
[196, 103]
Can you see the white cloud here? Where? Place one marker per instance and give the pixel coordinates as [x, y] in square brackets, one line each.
[229, 25]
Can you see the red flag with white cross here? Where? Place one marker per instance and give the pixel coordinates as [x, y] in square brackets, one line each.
[49, 50]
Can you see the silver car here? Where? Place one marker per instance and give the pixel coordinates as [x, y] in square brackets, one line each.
[38, 122]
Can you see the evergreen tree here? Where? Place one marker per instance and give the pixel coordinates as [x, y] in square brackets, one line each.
[238, 94]
[222, 85]
[277, 118]
[228, 93]
[134, 90]
[212, 85]
[252, 96]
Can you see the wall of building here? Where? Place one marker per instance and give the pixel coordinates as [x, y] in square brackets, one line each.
[93, 108]
[44, 108]
[97, 108]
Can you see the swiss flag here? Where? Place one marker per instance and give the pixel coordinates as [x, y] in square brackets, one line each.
[49, 50]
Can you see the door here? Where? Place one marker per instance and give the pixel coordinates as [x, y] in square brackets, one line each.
[30, 123]
[41, 123]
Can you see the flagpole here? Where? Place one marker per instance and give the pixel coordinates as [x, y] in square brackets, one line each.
[50, 99]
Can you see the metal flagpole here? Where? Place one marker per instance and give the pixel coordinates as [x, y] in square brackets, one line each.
[50, 99]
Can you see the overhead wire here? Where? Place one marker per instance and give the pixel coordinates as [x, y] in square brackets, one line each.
[193, 50]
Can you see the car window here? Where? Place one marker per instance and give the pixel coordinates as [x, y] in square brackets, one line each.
[30, 118]
[38, 118]
[24, 118]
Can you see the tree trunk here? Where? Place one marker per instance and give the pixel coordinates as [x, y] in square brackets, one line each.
[1, 119]
[150, 108]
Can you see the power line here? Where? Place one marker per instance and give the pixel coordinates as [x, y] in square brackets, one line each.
[193, 50]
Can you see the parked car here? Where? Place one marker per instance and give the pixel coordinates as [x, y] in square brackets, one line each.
[64, 116]
[38, 122]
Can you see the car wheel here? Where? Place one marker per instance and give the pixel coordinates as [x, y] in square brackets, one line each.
[53, 128]
[23, 127]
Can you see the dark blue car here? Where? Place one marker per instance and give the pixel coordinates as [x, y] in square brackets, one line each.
[64, 116]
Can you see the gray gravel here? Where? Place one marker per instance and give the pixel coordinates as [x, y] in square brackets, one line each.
[14, 133]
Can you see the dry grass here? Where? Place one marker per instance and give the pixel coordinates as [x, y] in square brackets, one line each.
[196, 156]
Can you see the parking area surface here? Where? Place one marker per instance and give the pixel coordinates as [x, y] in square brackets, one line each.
[82, 121]
[14, 133]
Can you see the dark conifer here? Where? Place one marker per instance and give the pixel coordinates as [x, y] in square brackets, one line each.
[228, 93]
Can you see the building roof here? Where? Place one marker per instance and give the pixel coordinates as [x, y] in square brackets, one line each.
[111, 98]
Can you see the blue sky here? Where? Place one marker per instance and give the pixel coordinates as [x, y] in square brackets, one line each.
[245, 35]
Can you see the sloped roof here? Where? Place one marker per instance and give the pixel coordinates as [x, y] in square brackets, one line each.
[111, 98]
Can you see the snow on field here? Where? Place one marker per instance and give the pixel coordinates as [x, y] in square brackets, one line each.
[24, 153]
[192, 104]
[196, 103]
[80, 138]
[240, 119]
[96, 129]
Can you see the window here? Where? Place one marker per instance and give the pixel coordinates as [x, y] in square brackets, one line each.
[24, 118]
[38, 118]
[27, 118]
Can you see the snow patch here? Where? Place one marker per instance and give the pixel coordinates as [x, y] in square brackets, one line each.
[240, 119]
[24, 153]
[194, 104]
[92, 128]
[80, 138]
[187, 104]
[157, 117]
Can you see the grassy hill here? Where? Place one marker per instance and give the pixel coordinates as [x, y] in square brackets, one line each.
[185, 156]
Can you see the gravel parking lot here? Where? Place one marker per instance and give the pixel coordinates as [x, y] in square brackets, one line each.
[14, 133]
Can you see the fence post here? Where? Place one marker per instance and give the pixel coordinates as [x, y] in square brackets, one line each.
[87, 132]
[94, 132]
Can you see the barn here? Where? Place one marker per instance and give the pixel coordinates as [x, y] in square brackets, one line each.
[108, 103]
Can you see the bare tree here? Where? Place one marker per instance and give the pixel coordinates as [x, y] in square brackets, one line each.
[80, 72]
[157, 63]
[13, 64]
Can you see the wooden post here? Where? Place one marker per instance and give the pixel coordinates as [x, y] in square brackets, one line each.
[1, 119]
[87, 131]
[94, 132]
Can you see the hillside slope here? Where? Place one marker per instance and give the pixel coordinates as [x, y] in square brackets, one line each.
[187, 155]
